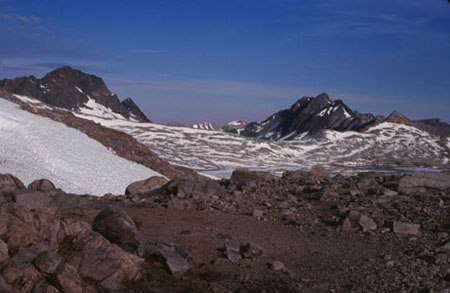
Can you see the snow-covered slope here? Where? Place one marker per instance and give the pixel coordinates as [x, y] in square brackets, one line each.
[33, 147]
[385, 146]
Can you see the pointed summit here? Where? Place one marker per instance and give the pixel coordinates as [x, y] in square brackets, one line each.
[134, 109]
[308, 115]
[71, 89]
[397, 117]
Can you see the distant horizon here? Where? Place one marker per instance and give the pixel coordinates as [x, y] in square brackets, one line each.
[224, 123]
[218, 61]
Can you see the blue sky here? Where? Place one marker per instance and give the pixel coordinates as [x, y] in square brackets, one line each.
[196, 60]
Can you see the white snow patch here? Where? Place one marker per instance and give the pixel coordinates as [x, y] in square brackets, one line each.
[346, 114]
[95, 109]
[33, 147]
[32, 102]
[78, 89]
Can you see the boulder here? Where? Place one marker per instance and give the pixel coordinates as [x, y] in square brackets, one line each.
[69, 280]
[9, 183]
[174, 262]
[181, 204]
[184, 188]
[355, 219]
[49, 263]
[115, 225]
[145, 186]
[241, 176]
[233, 252]
[420, 180]
[405, 228]
[33, 199]
[41, 185]
[4, 256]
[318, 171]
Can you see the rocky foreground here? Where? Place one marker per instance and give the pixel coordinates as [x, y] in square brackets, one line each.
[304, 232]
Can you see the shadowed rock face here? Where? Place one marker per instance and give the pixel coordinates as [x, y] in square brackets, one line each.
[69, 88]
[309, 115]
[132, 108]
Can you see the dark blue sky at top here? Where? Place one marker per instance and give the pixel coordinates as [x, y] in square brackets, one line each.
[197, 60]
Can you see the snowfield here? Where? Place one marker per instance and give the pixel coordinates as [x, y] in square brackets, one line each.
[383, 147]
[33, 147]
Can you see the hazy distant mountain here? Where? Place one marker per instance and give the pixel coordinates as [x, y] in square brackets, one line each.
[234, 126]
[434, 126]
[72, 89]
[206, 125]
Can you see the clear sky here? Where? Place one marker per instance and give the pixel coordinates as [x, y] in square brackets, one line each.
[221, 60]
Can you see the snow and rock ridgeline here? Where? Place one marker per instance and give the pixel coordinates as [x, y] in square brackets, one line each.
[384, 146]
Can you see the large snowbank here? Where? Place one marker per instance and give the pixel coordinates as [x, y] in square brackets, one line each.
[34, 147]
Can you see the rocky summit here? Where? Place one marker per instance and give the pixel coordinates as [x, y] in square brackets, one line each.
[302, 232]
[72, 89]
[311, 115]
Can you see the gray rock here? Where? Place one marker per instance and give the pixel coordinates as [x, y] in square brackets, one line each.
[258, 213]
[406, 228]
[174, 262]
[278, 266]
[240, 176]
[145, 186]
[367, 224]
[232, 252]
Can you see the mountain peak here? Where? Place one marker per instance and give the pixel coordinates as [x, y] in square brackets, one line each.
[308, 115]
[397, 117]
[71, 89]
[323, 96]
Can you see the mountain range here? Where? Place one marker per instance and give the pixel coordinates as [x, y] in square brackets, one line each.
[75, 90]
[312, 115]
[314, 130]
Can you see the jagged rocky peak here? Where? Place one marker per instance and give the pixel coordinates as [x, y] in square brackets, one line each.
[397, 117]
[135, 111]
[308, 115]
[71, 89]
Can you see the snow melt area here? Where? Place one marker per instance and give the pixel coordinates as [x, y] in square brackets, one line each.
[33, 147]
[32, 102]
[95, 109]
[386, 145]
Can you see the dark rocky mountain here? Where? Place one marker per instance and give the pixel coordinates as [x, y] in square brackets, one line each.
[434, 126]
[70, 89]
[310, 115]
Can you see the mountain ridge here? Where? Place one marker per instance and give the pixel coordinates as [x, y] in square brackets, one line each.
[72, 89]
[311, 115]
